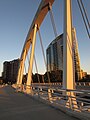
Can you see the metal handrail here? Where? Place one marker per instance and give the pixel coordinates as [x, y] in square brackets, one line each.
[72, 99]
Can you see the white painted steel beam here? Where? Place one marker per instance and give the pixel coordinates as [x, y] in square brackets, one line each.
[68, 82]
[21, 69]
[29, 78]
[38, 19]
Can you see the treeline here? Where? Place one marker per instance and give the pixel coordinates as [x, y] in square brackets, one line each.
[54, 76]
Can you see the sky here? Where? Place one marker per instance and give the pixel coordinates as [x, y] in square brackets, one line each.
[15, 19]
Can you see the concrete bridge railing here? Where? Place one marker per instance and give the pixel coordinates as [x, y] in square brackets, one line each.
[76, 100]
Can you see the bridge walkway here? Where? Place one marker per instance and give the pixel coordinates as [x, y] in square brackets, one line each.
[17, 106]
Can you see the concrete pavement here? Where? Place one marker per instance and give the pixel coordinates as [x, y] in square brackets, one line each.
[17, 106]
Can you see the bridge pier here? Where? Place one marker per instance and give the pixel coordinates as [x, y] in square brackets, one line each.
[68, 80]
[68, 62]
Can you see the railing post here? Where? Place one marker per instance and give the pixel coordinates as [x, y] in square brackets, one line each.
[49, 95]
[38, 92]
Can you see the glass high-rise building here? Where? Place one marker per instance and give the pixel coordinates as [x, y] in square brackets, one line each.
[54, 55]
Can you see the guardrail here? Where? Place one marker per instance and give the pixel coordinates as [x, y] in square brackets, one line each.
[60, 84]
[76, 100]
[75, 103]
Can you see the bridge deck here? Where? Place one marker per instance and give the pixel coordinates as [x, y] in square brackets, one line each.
[17, 106]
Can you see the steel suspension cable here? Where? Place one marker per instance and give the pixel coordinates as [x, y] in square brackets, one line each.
[36, 69]
[85, 13]
[43, 54]
[35, 66]
[25, 68]
[28, 58]
[83, 18]
[52, 20]
[43, 79]
[53, 23]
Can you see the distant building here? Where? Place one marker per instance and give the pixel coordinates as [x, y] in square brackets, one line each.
[54, 55]
[83, 74]
[10, 70]
[76, 56]
[1, 80]
[6, 71]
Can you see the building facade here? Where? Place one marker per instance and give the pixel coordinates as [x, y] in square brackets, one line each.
[54, 54]
[76, 56]
[10, 71]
